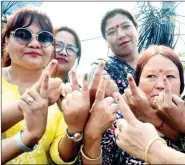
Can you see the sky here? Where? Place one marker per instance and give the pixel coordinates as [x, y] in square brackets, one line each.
[85, 18]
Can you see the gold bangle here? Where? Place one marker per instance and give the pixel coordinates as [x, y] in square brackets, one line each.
[85, 156]
[149, 145]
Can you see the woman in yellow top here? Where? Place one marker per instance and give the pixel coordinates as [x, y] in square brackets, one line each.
[28, 36]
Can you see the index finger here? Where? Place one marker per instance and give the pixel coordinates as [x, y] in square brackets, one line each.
[167, 91]
[100, 94]
[97, 75]
[124, 108]
[51, 66]
[73, 77]
[44, 86]
[133, 86]
[85, 91]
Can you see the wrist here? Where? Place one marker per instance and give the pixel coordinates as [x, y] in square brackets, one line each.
[28, 139]
[156, 152]
[73, 130]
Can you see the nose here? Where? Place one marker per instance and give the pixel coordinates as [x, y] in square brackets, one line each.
[160, 83]
[120, 33]
[34, 43]
[63, 52]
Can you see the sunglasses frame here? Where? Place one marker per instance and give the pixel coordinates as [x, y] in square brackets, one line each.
[37, 34]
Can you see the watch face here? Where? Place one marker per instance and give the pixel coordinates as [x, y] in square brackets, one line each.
[77, 137]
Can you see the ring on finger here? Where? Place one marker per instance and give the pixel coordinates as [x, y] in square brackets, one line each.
[29, 100]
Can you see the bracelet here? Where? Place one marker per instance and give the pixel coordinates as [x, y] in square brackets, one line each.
[149, 145]
[21, 144]
[161, 126]
[81, 150]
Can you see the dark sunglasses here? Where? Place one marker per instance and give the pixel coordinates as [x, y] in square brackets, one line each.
[70, 49]
[25, 36]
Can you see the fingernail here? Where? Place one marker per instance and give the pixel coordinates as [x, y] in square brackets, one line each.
[129, 77]
[116, 96]
[102, 63]
[85, 76]
[104, 72]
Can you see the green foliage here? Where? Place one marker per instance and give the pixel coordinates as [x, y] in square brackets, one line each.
[157, 26]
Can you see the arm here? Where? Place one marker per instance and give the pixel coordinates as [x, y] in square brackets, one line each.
[10, 148]
[75, 108]
[63, 150]
[140, 105]
[92, 150]
[135, 138]
[162, 154]
[35, 116]
[102, 116]
[11, 115]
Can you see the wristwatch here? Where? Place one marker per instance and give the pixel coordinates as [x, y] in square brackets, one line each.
[76, 137]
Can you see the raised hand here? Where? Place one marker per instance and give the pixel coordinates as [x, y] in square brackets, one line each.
[132, 135]
[76, 106]
[103, 111]
[138, 101]
[111, 85]
[54, 84]
[34, 106]
[171, 108]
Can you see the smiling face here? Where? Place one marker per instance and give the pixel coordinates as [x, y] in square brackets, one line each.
[66, 58]
[122, 36]
[151, 80]
[31, 55]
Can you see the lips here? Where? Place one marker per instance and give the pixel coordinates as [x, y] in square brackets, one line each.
[61, 59]
[124, 43]
[33, 54]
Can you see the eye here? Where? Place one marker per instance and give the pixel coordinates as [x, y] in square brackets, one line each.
[151, 76]
[111, 32]
[125, 26]
[170, 76]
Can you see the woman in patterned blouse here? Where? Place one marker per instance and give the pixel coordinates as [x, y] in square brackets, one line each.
[120, 31]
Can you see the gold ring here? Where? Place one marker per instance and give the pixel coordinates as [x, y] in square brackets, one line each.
[29, 100]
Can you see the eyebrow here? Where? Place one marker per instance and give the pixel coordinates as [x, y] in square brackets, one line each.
[125, 22]
[151, 70]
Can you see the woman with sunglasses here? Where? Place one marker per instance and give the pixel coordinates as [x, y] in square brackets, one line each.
[28, 38]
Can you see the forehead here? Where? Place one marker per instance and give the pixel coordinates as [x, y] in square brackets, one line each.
[65, 37]
[159, 62]
[117, 20]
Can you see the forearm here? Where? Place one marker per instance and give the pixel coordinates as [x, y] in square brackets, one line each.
[166, 129]
[68, 149]
[92, 149]
[10, 148]
[10, 116]
[162, 154]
